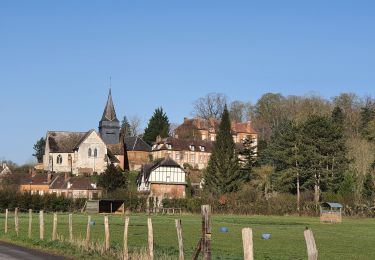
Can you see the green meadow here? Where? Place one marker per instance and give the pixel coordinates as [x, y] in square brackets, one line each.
[352, 239]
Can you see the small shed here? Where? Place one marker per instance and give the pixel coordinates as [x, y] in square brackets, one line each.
[104, 206]
[330, 212]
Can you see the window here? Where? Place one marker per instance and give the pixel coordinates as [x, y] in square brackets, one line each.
[95, 152]
[202, 148]
[59, 159]
[89, 152]
[177, 156]
[192, 147]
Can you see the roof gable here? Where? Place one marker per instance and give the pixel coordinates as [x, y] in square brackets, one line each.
[90, 133]
[161, 162]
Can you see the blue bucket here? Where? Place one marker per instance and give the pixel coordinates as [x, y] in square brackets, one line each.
[266, 236]
[92, 223]
[224, 230]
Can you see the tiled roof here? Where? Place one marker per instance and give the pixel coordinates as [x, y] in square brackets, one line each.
[37, 179]
[63, 141]
[183, 144]
[135, 143]
[204, 124]
[245, 127]
[116, 149]
[76, 183]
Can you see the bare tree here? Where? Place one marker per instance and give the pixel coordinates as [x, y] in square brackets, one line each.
[362, 153]
[172, 129]
[210, 106]
[135, 125]
[240, 111]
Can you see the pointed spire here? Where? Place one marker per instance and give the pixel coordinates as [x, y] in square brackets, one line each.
[109, 113]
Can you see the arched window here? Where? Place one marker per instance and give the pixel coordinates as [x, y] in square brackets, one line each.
[59, 159]
[89, 152]
[95, 152]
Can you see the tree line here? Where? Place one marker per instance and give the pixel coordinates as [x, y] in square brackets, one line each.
[308, 146]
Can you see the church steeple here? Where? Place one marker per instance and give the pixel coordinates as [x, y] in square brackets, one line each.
[109, 125]
[109, 113]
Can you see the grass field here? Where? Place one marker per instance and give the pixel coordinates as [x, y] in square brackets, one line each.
[352, 239]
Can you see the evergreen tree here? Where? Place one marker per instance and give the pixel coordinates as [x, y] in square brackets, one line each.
[324, 154]
[112, 179]
[248, 155]
[125, 128]
[223, 173]
[157, 126]
[284, 152]
[338, 116]
[39, 148]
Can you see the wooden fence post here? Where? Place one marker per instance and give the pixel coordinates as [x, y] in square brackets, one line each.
[6, 221]
[30, 222]
[247, 240]
[106, 229]
[180, 240]
[150, 239]
[206, 232]
[16, 221]
[41, 225]
[88, 231]
[54, 227]
[312, 251]
[125, 252]
[71, 227]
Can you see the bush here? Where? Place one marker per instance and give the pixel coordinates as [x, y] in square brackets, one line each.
[10, 199]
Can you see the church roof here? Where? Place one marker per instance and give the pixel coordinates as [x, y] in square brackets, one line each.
[63, 141]
[109, 113]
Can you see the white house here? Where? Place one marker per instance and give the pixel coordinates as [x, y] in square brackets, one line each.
[162, 178]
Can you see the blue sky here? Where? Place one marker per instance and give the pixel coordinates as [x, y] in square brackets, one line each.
[56, 58]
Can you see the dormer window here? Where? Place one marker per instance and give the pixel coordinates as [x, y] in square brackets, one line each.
[154, 147]
[202, 148]
[89, 152]
[192, 147]
[169, 146]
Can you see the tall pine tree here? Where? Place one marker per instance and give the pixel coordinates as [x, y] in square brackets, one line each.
[125, 128]
[223, 174]
[248, 156]
[157, 126]
[284, 152]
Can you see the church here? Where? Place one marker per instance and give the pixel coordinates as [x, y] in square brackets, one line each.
[85, 153]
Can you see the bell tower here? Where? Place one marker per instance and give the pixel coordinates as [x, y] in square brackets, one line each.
[109, 125]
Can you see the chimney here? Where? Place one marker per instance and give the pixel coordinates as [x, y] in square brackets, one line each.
[49, 177]
[66, 176]
[186, 119]
[158, 139]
